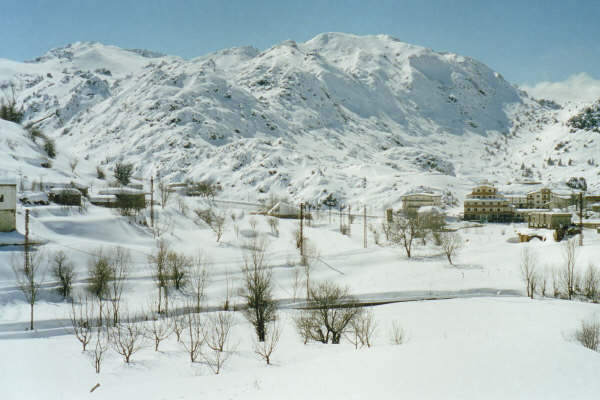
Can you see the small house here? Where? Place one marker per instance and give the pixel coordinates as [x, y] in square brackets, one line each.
[8, 206]
[413, 201]
[549, 220]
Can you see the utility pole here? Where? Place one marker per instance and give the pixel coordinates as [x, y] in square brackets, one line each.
[301, 230]
[152, 201]
[340, 218]
[26, 245]
[580, 219]
[365, 225]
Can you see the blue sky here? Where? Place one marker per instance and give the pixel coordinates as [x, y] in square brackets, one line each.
[527, 41]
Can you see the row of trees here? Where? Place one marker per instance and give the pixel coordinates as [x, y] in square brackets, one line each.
[565, 281]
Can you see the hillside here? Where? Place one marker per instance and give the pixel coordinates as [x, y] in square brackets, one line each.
[365, 118]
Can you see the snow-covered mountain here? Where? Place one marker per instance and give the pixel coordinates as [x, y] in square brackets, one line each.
[365, 118]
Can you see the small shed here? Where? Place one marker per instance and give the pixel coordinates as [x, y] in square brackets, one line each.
[8, 205]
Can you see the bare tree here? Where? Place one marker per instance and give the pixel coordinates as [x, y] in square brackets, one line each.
[29, 277]
[568, 275]
[403, 231]
[217, 332]
[296, 283]
[362, 330]
[397, 336]
[83, 320]
[194, 335]
[329, 314]
[165, 192]
[257, 288]
[217, 340]
[528, 274]
[178, 266]
[127, 337]
[178, 324]
[119, 265]
[591, 281]
[62, 270]
[157, 330]
[451, 243]
[100, 347]
[266, 348]
[160, 272]
[308, 260]
[199, 278]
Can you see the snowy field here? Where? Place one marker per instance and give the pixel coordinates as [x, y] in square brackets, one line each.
[486, 341]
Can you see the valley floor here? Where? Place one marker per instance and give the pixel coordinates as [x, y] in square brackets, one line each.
[479, 336]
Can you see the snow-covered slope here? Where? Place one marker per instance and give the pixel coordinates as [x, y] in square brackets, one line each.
[366, 118]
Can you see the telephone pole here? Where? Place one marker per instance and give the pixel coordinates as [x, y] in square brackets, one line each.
[365, 225]
[301, 230]
[580, 219]
[349, 220]
[26, 245]
[152, 201]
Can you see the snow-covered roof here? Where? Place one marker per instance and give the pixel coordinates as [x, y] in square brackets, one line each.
[7, 180]
[429, 210]
[60, 190]
[120, 190]
[420, 194]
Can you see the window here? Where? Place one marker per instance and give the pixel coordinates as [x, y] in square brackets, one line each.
[1, 198]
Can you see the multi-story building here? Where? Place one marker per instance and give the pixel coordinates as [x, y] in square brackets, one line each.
[544, 198]
[484, 203]
[412, 202]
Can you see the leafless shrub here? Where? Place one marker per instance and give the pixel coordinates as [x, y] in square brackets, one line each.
[528, 274]
[217, 333]
[199, 278]
[158, 329]
[215, 221]
[344, 229]
[386, 228]
[362, 329]
[257, 288]
[29, 277]
[589, 334]
[178, 324]
[397, 334]
[82, 320]
[63, 271]
[162, 225]
[328, 317]
[266, 348]
[451, 243]
[308, 260]
[591, 280]
[555, 283]
[375, 233]
[274, 225]
[126, 337]
[100, 347]
[193, 336]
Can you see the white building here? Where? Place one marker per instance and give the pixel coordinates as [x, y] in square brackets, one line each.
[8, 206]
